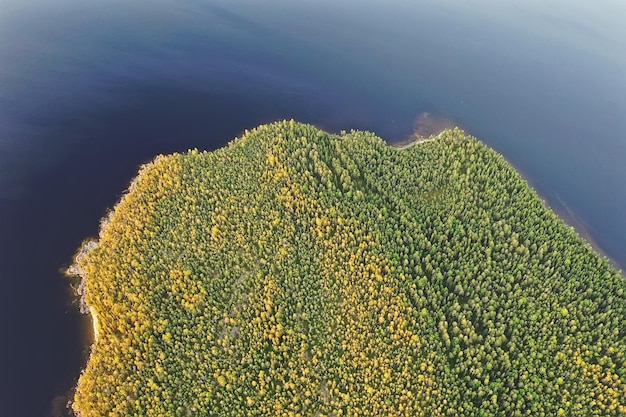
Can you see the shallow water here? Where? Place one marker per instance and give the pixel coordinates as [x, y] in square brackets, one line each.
[90, 91]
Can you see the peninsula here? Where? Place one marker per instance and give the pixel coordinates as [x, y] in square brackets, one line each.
[300, 273]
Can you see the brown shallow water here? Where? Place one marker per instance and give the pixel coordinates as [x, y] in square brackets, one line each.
[426, 125]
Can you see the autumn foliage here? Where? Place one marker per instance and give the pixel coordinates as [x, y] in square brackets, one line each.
[300, 273]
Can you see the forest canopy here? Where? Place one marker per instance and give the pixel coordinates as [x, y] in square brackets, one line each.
[300, 273]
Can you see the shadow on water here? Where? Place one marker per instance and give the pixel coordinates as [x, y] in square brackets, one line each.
[61, 404]
[426, 125]
[569, 216]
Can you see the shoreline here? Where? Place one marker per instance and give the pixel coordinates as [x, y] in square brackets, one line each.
[417, 140]
[75, 270]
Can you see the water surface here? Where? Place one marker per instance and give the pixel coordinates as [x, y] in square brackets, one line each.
[89, 91]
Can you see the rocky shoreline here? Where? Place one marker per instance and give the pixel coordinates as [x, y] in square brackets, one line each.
[76, 270]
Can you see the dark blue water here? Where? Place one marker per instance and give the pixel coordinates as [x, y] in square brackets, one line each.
[91, 90]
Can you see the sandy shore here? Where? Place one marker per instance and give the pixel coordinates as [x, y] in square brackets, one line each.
[94, 321]
[76, 270]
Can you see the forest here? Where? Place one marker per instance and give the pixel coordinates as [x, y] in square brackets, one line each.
[296, 272]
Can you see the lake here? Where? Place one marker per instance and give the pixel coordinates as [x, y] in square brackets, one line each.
[91, 90]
